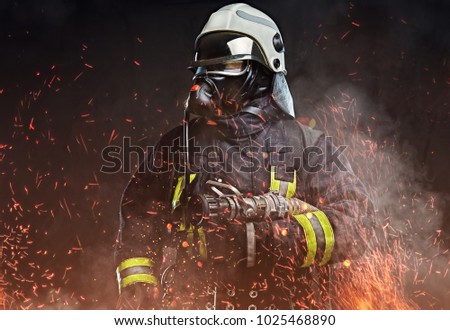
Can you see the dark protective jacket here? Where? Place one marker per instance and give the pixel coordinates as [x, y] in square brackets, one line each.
[271, 263]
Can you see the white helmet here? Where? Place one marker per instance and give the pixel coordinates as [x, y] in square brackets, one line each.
[240, 32]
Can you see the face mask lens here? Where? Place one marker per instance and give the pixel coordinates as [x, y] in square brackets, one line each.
[235, 68]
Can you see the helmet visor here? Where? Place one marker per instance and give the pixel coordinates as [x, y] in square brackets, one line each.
[222, 47]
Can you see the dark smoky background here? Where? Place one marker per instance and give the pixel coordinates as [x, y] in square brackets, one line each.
[77, 76]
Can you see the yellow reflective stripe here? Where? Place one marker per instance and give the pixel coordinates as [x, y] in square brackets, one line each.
[178, 190]
[182, 226]
[329, 236]
[190, 240]
[292, 186]
[275, 184]
[133, 262]
[202, 244]
[177, 193]
[138, 278]
[310, 235]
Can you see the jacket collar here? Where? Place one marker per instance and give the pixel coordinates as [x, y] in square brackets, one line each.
[253, 118]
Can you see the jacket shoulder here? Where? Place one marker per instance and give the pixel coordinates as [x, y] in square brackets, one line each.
[295, 129]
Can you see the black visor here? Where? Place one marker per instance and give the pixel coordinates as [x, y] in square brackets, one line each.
[222, 47]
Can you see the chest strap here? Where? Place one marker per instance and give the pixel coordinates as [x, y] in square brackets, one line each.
[191, 232]
[285, 188]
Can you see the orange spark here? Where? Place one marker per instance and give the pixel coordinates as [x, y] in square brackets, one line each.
[78, 76]
[31, 127]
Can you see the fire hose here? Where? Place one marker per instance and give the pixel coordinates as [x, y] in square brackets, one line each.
[226, 207]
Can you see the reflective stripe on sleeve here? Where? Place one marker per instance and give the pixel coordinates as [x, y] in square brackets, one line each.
[133, 262]
[311, 242]
[138, 278]
[329, 236]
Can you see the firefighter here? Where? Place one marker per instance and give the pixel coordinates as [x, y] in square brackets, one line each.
[241, 207]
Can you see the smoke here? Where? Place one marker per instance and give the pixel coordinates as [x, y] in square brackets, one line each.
[372, 75]
[408, 267]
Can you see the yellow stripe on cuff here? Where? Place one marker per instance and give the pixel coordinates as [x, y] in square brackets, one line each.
[329, 236]
[133, 262]
[311, 242]
[138, 278]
